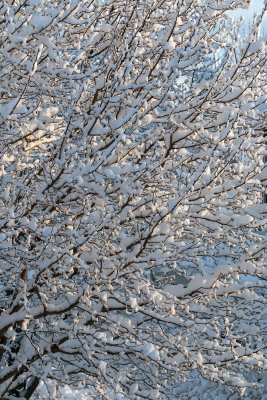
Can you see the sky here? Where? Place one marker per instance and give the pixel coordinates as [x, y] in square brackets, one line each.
[257, 5]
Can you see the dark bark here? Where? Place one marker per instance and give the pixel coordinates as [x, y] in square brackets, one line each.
[32, 387]
[24, 390]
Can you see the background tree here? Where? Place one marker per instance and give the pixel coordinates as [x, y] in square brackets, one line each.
[120, 157]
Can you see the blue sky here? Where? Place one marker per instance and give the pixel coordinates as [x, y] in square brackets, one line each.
[248, 14]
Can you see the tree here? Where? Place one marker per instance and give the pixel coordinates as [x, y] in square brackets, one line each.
[119, 158]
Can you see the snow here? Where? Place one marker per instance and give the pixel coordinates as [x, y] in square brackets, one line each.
[100, 83]
[132, 240]
[150, 351]
[259, 45]
[8, 108]
[106, 28]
